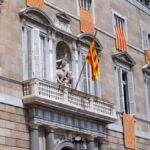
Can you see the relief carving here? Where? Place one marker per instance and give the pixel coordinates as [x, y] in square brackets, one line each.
[64, 75]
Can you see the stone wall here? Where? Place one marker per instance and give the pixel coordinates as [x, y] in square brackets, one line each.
[116, 141]
[14, 133]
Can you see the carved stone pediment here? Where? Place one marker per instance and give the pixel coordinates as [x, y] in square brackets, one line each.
[36, 15]
[146, 69]
[63, 17]
[63, 22]
[86, 39]
[124, 58]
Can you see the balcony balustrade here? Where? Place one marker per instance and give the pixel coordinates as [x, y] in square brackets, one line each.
[67, 96]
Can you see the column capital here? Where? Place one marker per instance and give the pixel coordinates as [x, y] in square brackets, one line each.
[102, 140]
[49, 130]
[90, 139]
[33, 125]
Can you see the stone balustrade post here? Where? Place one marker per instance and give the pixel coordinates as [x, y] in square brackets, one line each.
[35, 87]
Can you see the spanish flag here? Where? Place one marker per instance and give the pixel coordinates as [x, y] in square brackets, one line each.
[121, 43]
[92, 59]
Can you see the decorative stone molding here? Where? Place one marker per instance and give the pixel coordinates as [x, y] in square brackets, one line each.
[140, 6]
[63, 22]
[63, 17]
[124, 58]
[64, 143]
[86, 38]
[146, 69]
[36, 15]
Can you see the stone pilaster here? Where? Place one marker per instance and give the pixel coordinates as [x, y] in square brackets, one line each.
[34, 136]
[91, 144]
[50, 145]
[102, 144]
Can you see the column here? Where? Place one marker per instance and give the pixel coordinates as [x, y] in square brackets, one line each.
[91, 144]
[102, 144]
[34, 136]
[50, 145]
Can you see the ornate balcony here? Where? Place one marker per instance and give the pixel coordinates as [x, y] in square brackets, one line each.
[49, 93]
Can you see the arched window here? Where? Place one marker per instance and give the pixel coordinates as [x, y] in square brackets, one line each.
[35, 43]
[86, 83]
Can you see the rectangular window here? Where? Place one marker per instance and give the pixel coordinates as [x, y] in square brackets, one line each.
[148, 93]
[86, 83]
[125, 91]
[119, 21]
[85, 4]
[145, 3]
[124, 81]
[35, 45]
[145, 39]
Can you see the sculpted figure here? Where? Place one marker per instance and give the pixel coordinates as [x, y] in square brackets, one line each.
[64, 76]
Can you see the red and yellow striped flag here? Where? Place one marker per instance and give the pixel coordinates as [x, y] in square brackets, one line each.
[121, 43]
[92, 59]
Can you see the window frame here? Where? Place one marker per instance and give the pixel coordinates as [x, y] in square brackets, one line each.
[92, 10]
[147, 77]
[120, 100]
[42, 32]
[114, 13]
[94, 90]
[145, 38]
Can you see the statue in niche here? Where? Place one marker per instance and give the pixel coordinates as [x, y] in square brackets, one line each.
[64, 75]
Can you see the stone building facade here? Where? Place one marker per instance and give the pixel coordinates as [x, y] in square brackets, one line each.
[42, 52]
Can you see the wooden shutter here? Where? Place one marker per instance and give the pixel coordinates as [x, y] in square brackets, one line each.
[118, 88]
[144, 39]
[27, 53]
[36, 59]
[35, 3]
[131, 93]
[148, 93]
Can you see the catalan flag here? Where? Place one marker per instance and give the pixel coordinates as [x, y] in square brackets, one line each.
[92, 59]
[121, 43]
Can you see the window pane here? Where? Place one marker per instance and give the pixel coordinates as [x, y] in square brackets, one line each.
[119, 22]
[43, 55]
[85, 4]
[29, 51]
[125, 92]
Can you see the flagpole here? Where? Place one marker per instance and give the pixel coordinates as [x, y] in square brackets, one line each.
[83, 66]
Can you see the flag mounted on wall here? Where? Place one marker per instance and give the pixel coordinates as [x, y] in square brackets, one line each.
[121, 42]
[35, 3]
[92, 59]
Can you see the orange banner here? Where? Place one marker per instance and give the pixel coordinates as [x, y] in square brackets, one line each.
[147, 56]
[121, 43]
[86, 21]
[35, 3]
[129, 131]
